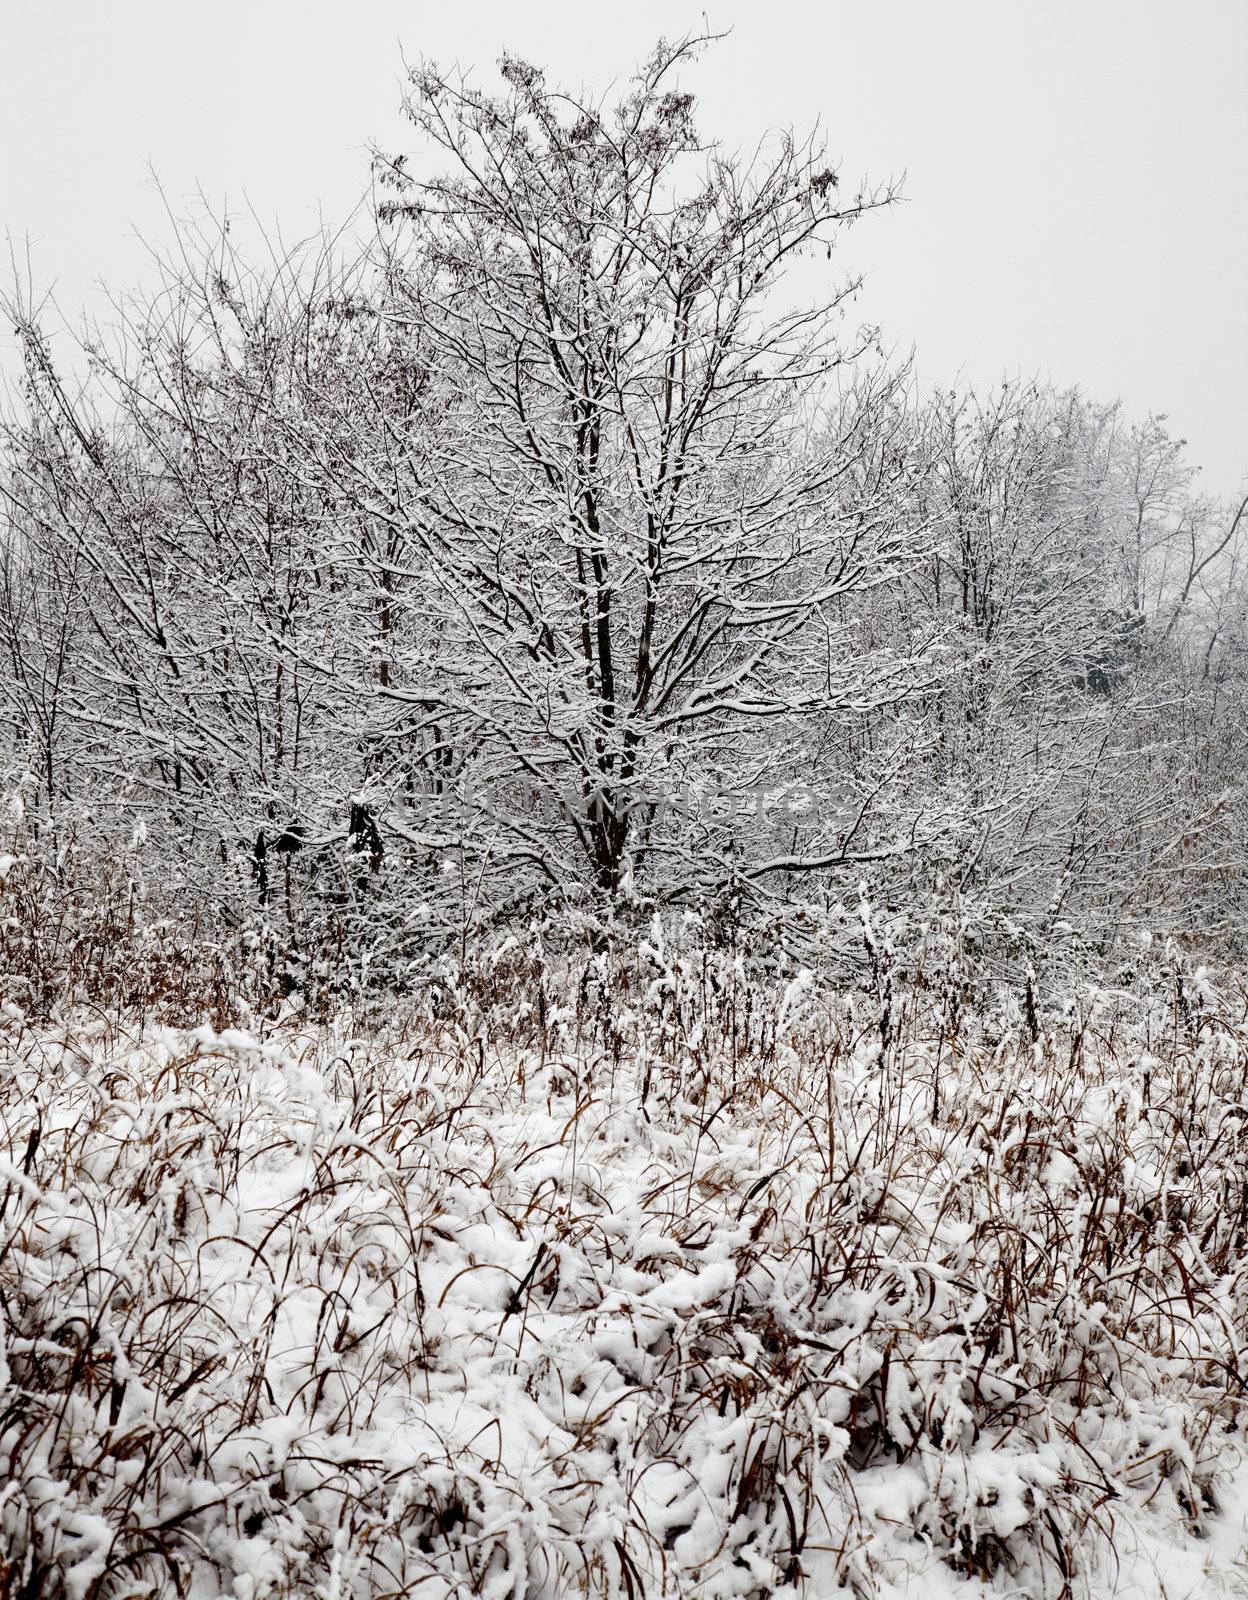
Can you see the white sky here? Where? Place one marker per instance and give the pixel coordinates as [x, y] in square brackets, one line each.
[1077, 171]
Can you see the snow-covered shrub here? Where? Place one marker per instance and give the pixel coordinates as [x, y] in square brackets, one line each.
[505, 1304]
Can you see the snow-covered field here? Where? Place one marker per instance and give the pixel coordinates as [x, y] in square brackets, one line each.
[631, 1310]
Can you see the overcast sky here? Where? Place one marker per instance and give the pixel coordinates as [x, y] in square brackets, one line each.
[1077, 171]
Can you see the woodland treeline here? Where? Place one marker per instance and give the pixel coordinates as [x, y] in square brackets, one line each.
[565, 554]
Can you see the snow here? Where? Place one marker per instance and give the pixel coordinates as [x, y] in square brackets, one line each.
[435, 1314]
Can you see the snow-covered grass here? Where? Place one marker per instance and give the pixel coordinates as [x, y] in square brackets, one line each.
[654, 1293]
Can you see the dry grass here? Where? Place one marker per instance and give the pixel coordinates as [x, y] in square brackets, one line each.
[655, 1283]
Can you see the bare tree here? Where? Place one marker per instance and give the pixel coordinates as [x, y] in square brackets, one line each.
[660, 492]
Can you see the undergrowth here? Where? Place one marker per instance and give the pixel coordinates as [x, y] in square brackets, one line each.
[641, 1280]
